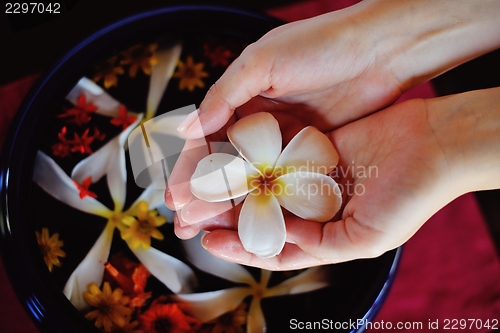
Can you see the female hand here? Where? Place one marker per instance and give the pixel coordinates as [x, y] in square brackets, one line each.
[349, 63]
[397, 168]
[340, 66]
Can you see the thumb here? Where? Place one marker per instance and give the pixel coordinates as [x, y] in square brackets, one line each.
[338, 241]
[245, 78]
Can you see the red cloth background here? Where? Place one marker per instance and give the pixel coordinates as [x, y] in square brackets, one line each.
[448, 270]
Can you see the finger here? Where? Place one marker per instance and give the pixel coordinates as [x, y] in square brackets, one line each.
[245, 78]
[337, 241]
[226, 244]
[169, 201]
[209, 215]
[182, 230]
[179, 188]
[205, 220]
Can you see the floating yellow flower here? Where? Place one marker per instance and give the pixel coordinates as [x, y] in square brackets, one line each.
[190, 74]
[110, 306]
[140, 230]
[50, 246]
[108, 72]
[139, 56]
[231, 322]
[295, 178]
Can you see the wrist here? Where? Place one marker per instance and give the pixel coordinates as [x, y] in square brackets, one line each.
[420, 39]
[467, 128]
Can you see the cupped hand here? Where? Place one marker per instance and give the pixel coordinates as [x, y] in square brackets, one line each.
[393, 174]
[331, 64]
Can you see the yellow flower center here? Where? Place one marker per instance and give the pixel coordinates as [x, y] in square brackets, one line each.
[116, 219]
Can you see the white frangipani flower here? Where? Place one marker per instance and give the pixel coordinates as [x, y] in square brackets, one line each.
[109, 160]
[176, 275]
[295, 178]
[210, 305]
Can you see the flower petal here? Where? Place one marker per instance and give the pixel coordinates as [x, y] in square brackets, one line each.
[172, 272]
[248, 135]
[309, 195]
[311, 279]
[95, 95]
[309, 150]
[155, 147]
[109, 160]
[220, 177]
[261, 226]
[49, 176]
[208, 263]
[209, 305]
[160, 76]
[90, 270]
[167, 123]
[256, 321]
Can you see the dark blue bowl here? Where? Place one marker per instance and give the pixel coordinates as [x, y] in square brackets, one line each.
[358, 288]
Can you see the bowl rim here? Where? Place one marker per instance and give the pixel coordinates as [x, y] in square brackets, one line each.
[43, 300]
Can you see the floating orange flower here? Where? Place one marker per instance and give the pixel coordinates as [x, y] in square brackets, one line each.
[132, 286]
[81, 112]
[160, 318]
[130, 327]
[84, 188]
[110, 306]
[231, 322]
[139, 56]
[50, 246]
[123, 118]
[190, 74]
[140, 230]
[108, 72]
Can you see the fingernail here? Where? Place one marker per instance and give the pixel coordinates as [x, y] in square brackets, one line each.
[203, 242]
[190, 119]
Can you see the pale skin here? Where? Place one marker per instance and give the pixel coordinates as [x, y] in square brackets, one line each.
[338, 68]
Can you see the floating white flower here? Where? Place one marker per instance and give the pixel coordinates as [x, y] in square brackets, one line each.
[212, 304]
[295, 178]
[110, 161]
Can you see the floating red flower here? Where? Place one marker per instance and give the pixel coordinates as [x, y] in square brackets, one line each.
[123, 119]
[82, 143]
[63, 147]
[160, 318]
[81, 112]
[84, 188]
[219, 55]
